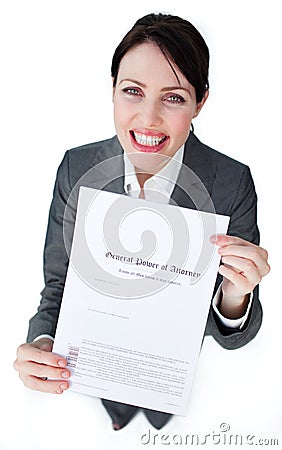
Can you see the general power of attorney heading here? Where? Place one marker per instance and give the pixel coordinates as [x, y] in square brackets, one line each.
[136, 299]
[152, 265]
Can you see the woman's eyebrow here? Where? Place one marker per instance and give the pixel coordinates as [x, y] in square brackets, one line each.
[164, 89]
[173, 88]
[133, 81]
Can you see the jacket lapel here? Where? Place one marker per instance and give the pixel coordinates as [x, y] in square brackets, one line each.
[108, 168]
[193, 188]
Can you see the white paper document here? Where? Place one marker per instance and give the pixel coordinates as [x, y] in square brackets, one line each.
[136, 299]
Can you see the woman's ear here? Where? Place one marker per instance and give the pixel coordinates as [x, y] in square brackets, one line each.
[201, 104]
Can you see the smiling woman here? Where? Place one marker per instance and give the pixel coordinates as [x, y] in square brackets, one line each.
[160, 84]
[153, 109]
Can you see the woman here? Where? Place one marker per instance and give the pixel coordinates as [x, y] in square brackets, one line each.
[160, 84]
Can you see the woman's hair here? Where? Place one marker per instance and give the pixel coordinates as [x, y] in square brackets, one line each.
[179, 41]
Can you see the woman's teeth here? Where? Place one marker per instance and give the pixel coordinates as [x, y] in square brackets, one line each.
[150, 141]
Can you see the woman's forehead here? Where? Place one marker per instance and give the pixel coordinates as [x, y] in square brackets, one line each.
[146, 63]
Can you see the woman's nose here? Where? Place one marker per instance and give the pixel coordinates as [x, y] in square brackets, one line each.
[150, 114]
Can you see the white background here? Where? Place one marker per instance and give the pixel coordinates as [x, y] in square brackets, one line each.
[56, 94]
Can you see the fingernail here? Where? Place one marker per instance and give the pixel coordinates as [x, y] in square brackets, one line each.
[213, 239]
[65, 374]
[62, 363]
[63, 386]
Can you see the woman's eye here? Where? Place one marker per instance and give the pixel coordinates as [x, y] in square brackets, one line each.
[174, 98]
[131, 91]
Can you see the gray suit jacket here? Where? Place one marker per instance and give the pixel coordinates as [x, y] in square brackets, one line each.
[215, 180]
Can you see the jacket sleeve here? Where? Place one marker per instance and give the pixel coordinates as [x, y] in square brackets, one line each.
[243, 223]
[56, 251]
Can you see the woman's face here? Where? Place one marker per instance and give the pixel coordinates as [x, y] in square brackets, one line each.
[152, 109]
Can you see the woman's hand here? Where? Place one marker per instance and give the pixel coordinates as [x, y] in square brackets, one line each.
[243, 266]
[35, 363]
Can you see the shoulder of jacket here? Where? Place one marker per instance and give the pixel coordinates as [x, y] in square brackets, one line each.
[79, 161]
[213, 156]
[90, 150]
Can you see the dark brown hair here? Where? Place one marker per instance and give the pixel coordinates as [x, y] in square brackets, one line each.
[178, 40]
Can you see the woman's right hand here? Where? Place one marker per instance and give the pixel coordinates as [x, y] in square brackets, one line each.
[36, 363]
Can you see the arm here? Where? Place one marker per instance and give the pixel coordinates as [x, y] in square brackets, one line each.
[35, 361]
[235, 286]
[57, 247]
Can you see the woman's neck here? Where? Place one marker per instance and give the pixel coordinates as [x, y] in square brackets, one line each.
[142, 178]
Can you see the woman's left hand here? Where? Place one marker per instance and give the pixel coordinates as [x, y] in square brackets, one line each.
[243, 266]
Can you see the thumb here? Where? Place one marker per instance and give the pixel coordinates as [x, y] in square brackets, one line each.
[44, 344]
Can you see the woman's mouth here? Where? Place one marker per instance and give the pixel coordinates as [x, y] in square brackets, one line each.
[148, 142]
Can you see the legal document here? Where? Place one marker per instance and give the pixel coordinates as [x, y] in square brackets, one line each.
[136, 299]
